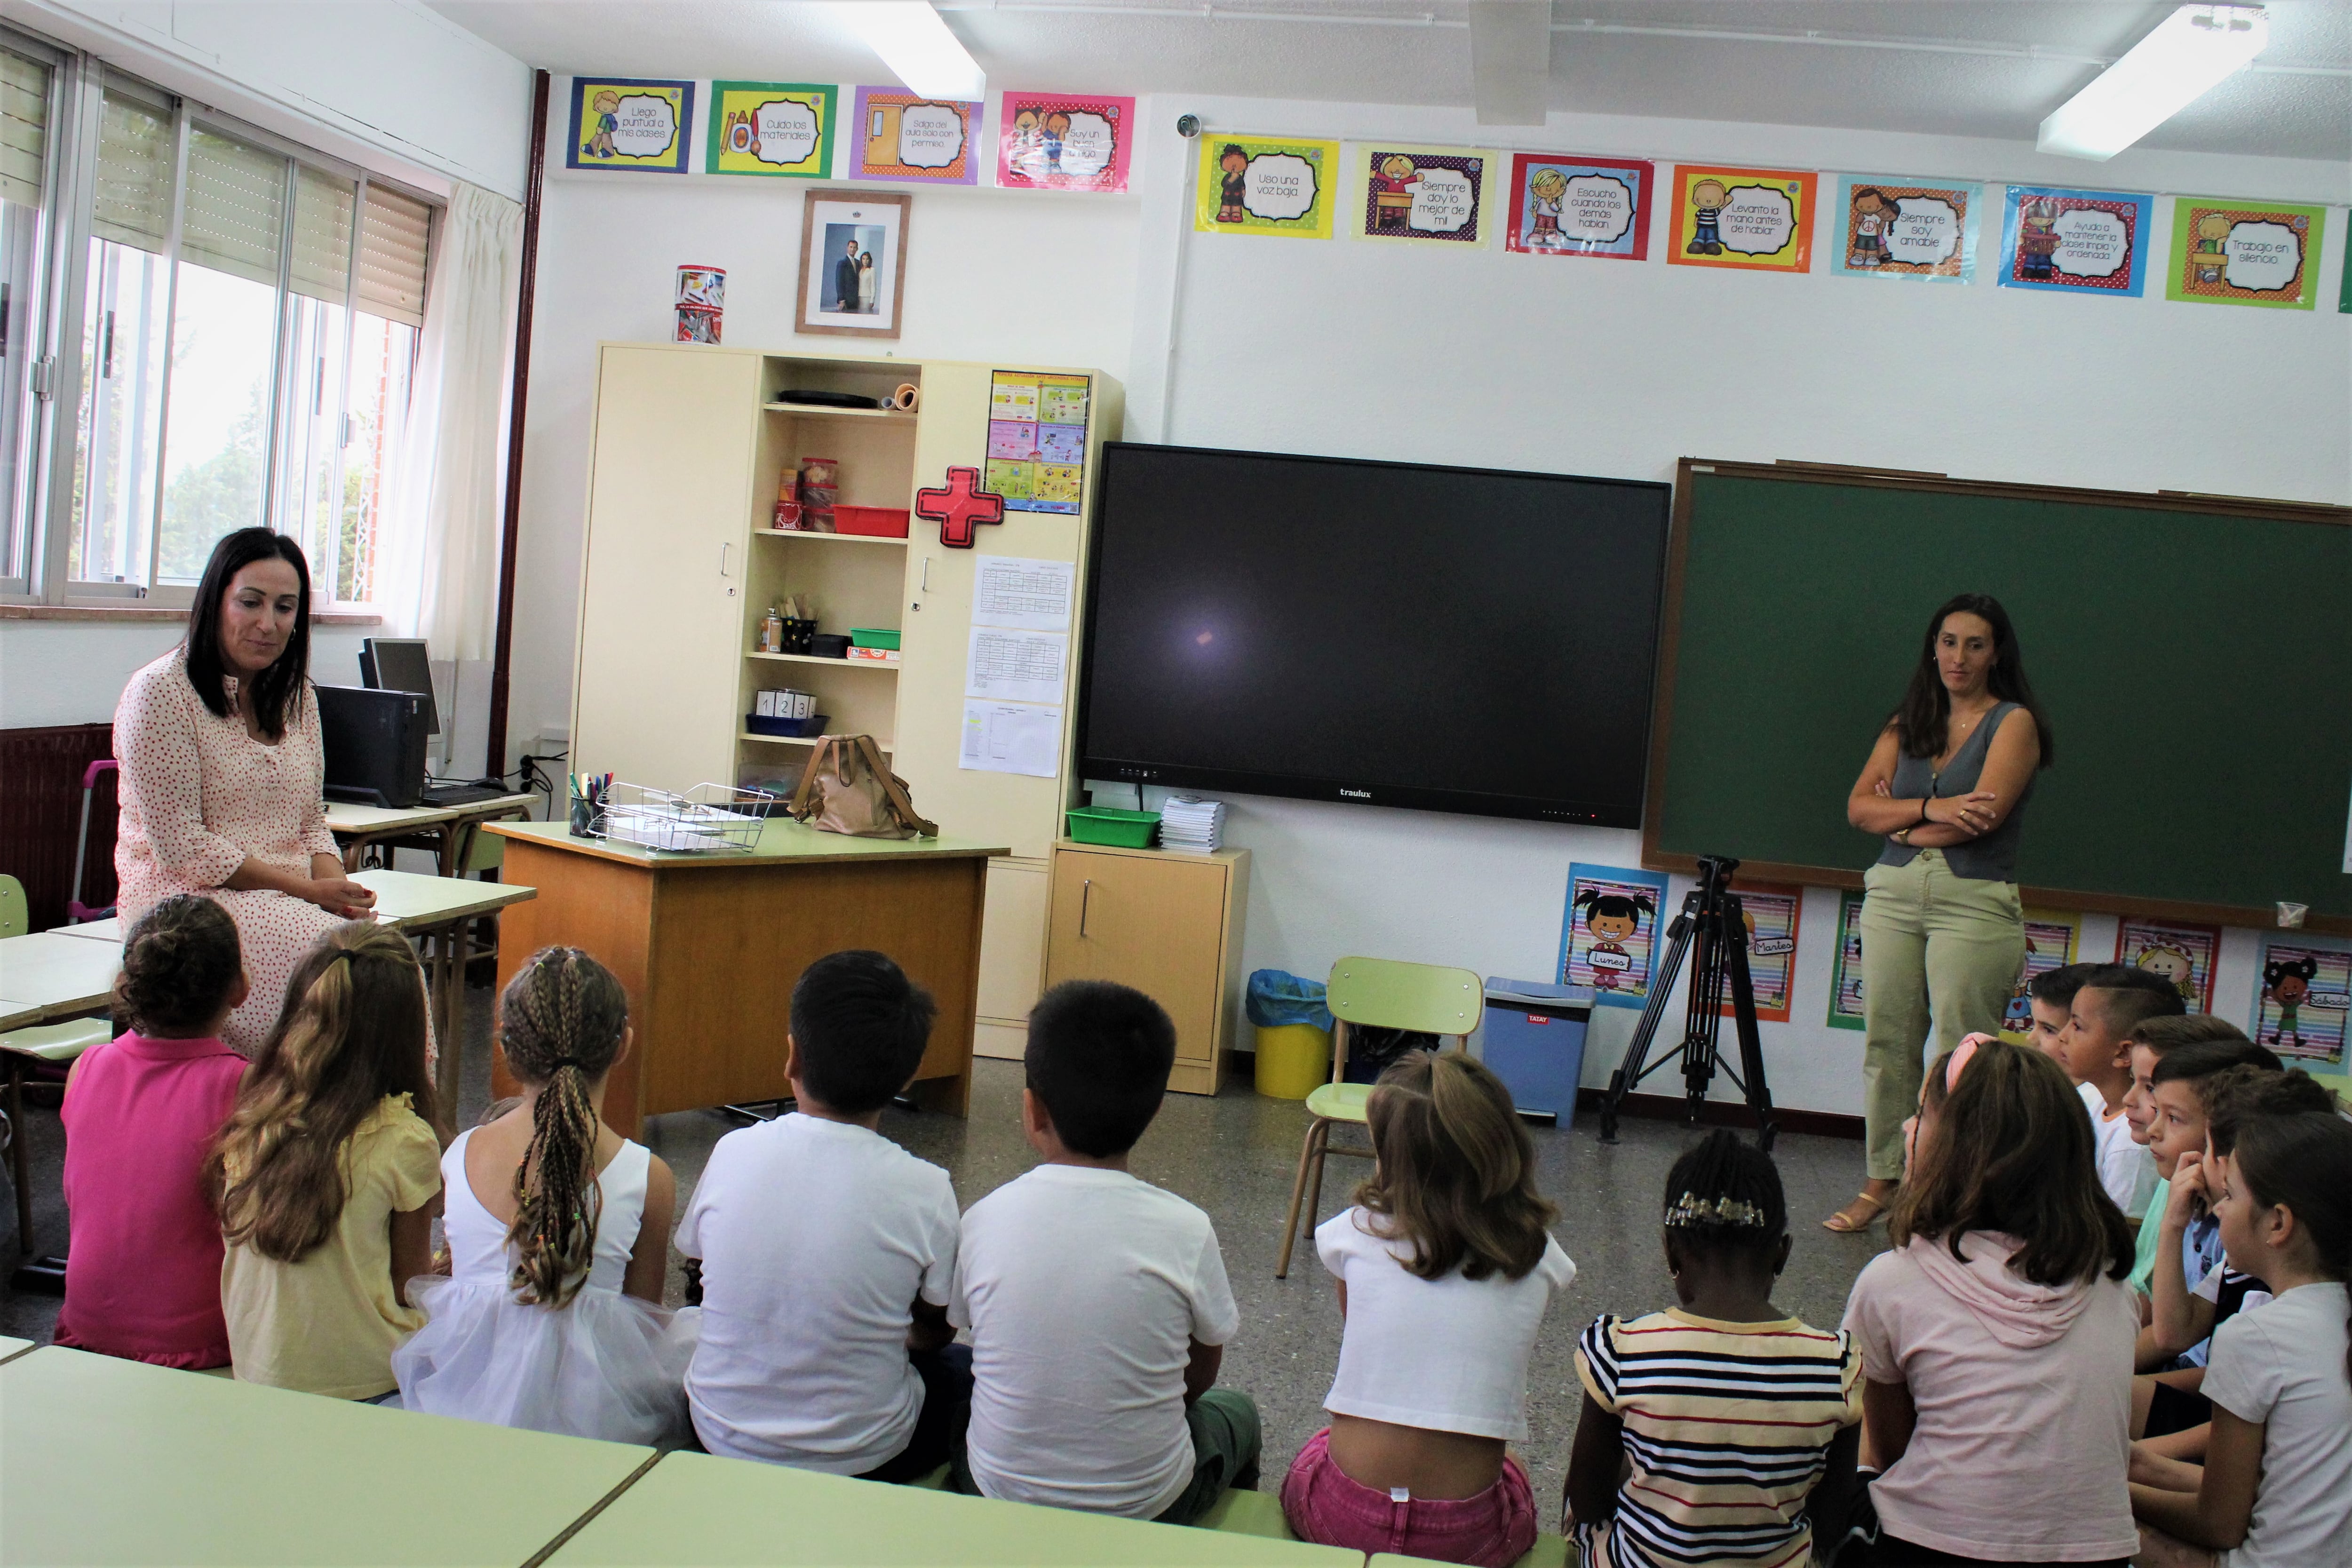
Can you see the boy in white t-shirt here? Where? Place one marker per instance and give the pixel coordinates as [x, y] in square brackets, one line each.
[826, 1253]
[1097, 1303]
[2094, 1047]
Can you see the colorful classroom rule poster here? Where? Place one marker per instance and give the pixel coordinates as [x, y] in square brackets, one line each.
[1037, 440]
[2090, 242]
[1064, 141]
[2245, 253]
[1265, 184]
[1895, 227]
[2050, 936]
[2185, 953]
[2299, 1012]
[782, 128]
[1609, 939]
[1563, 205]
[1772, 911]
[1434, 195]
[619, 122]
[1845, 966]
[907, 137]
[1760, 218]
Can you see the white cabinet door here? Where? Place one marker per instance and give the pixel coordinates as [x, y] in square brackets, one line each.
[661, 622]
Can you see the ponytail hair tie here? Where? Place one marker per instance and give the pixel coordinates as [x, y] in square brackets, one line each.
[563, 1062]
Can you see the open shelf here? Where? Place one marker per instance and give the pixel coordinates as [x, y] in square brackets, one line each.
[882, 746]
[824, 411]
[828, 538]
[829, 663]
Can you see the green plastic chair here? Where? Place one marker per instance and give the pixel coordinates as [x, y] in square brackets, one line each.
[16, 915]
[1380, 993]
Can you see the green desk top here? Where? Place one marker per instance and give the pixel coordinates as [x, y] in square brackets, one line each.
[692, 1508]
[114, 1462]
[782, 842]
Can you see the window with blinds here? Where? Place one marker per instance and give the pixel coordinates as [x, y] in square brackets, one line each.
[23, 129]
[132, 200]
[321, 268]
[394, 235]
[232, 216]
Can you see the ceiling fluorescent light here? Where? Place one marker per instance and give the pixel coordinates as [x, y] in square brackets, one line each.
[918, 48]
[2191, 51]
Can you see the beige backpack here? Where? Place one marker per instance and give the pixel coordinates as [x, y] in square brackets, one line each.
[849, 789]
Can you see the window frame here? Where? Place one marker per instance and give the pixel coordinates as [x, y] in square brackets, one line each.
[77, 88]
[21, 557]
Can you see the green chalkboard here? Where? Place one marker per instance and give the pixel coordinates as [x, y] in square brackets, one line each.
[2194, 654]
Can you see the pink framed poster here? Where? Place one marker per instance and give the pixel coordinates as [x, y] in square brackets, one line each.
[1064, 141]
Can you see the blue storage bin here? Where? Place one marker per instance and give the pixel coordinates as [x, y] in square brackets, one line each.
[1534, 1039]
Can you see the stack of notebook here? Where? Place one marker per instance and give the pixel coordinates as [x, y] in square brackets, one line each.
[1195, 827]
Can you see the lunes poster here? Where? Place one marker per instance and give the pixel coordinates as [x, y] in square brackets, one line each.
[1608, 937]
[2082, 242]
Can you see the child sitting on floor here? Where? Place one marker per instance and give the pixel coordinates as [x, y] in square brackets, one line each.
[1723, 1413]
[2148, 1044]
[1445, 1265]
[559, 1238]
[1097, 1303]
[1996, 1337]
[2095, 1050]
[143, 1280]
[2049, 1000]
[2275, 1487]
[827, 1252]
[2189, 1250]
[327, 1173]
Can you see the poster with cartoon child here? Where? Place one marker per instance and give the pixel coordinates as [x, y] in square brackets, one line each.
[2050, 940]
[1423, 194]
[1753, 218]
[2299, 1012]
[1608, 940]
[2081, 242]
[1265, 184]
[1895, 227]
[2183, 952]
[2245, 253]
[1845, 967]
[1062, 141]
[619, 122]
[1771, 910]
[1564, 205]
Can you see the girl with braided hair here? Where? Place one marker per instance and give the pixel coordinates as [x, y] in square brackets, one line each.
[1733, 1426]
[325, 1176]
[559, 1238]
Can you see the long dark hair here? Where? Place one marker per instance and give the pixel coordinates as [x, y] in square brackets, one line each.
[2304, 1162]
[353, 1031]
[1920, 723]
[2011, 1152]
[560, 1023]
[280, 686]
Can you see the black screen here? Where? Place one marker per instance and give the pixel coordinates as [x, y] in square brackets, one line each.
[1460, 639]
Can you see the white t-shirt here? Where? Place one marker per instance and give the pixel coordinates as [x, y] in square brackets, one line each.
[816, 1237]
[1083, 1290]
[2283, 1364]
[1447, 1355]
[2126, 1169]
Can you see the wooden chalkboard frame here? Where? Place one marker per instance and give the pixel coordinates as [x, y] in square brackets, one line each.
[1915, 482]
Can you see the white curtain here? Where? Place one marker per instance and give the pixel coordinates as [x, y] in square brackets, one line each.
[444, 514]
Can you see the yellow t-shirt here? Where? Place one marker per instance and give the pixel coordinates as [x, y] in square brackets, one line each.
[330, 1323]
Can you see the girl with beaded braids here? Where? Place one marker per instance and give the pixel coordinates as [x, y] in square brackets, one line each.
[559, 1238]
[1733, 1424]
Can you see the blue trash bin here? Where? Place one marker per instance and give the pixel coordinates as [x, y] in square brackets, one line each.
[1534, 1039]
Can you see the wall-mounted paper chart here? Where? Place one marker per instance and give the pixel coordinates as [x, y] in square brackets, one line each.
[1015, 591]
[1012, 666]
[1008, 738]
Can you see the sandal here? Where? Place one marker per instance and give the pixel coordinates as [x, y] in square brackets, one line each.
[1843, 1226]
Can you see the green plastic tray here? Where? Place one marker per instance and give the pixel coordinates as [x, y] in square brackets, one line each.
[1110, 825]
[874, 636]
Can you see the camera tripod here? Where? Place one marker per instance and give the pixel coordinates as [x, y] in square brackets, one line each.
[1711, 914]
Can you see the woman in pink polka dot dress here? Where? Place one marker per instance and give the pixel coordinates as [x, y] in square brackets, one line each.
[222, 768]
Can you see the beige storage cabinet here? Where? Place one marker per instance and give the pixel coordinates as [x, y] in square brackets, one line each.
[681, 565]
[1170, 925]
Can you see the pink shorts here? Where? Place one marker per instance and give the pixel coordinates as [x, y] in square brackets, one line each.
[1489, 1530]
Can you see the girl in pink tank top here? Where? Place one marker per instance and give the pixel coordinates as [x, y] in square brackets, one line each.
[144, 1274]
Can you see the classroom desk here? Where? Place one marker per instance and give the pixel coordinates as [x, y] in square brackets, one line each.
[12, 1346]
[57, 975]
[16, 1015]
[357, 827]
[111, 1461]
[708, 945]
[692, 1508]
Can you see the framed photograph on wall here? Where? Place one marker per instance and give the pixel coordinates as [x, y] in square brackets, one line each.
[853, 262]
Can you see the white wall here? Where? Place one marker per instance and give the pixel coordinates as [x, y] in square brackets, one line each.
[72, 672]
[1618, 369]
[389, 84]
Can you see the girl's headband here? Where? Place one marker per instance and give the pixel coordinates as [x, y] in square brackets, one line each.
[1963, 1054]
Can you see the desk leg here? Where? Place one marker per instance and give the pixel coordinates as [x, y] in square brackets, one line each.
[20, 1156]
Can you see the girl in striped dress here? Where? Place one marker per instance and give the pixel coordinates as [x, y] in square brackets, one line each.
[1729, 1420]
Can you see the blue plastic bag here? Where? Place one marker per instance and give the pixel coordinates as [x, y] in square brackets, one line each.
[1277, 997]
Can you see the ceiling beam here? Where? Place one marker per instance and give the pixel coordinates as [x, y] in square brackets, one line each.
[1510, 60]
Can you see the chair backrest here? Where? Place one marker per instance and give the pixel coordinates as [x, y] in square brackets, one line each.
[1389, 993]
[481, 851]
[15, 916]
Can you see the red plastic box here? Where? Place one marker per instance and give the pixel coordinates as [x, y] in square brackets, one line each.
[876, 521]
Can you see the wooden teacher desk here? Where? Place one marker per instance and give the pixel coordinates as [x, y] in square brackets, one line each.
[708, 945]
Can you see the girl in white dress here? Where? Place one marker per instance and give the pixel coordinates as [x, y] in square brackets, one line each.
[559, 1239]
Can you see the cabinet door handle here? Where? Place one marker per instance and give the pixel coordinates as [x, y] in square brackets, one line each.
[723, 557]
[926, 574]
[1085, 903]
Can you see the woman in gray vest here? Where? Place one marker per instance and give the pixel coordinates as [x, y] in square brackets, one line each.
[1943, 934]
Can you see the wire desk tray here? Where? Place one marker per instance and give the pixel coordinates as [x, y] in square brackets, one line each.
[709, 816]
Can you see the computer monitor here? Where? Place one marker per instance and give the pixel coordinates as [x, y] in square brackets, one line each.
[374, 745]
[399, 664]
